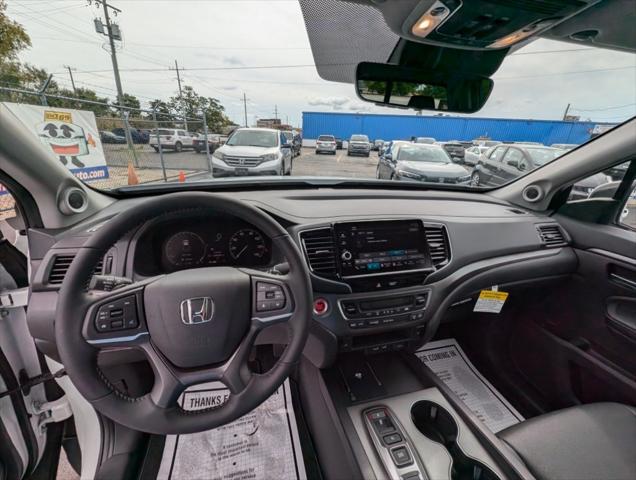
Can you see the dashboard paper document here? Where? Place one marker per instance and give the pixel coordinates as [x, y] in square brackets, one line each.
[449, 362]
[263, 444]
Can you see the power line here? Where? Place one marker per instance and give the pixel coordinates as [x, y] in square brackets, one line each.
[603, 109]
[566, 73]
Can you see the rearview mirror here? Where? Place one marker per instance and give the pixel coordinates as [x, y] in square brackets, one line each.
[407, 87]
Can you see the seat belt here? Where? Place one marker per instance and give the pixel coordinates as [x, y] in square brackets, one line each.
[18, 298]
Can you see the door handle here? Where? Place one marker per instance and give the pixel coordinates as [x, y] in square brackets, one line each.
[623, 281]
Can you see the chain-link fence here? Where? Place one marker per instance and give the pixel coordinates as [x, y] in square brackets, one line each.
[139, 145]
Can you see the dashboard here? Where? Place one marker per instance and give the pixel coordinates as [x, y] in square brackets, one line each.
[199, 241]
[386, 267]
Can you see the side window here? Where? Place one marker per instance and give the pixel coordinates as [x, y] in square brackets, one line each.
[628, 214]
[7, 204]
[181, 133]
[283, 140]
[604, 185]
[514, 158]
[497, 154]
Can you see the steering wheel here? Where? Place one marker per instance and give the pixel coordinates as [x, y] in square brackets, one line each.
[194, 326]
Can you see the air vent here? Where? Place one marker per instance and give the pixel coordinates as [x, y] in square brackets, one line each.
[551, 235]
[320, 251]
[59, 268]
[61, 265]
[438, 245]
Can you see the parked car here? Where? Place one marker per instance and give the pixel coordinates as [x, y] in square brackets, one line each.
[486, 143]
[198, 142]
[294, 140]
[617, 172]
[338, 143]
[504, 163]
[455, 149]
[584, 188]
[473, 154]
[359, 145]
[172, 139]
[564, 146]
[425, 140]
[253, 151]
[421, 163]
[326, 143]
[138, 136]
[110, 137]
[377, 145]
[538, 144]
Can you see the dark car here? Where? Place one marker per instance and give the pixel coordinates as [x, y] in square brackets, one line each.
[294, 140]
[198, 142]
[338, 143]
[110, 137]
[421, 163]
[455, 149]
[138, 136]
[504, 163]
[377, 145]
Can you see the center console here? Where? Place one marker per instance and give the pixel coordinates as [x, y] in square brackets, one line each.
[374, 299]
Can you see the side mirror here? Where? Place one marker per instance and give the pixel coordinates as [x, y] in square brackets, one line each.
[514, 163]
[407, 87]
[388, 157]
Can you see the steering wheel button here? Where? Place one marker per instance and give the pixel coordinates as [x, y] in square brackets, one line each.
[117, 324]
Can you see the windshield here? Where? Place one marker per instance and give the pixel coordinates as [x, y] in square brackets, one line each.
[253, 138]
[289, 83]
[541, 156]
[416, 153]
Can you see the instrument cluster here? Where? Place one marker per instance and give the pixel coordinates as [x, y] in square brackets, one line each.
[201, 242]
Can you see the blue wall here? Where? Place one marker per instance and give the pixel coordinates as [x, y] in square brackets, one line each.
[396, 127]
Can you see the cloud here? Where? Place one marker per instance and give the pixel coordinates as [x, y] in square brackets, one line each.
[232, 60]
[337, 103]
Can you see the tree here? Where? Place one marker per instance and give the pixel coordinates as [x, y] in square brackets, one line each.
[191, 104]
[13, 36]
[131, 101]
[100, 109]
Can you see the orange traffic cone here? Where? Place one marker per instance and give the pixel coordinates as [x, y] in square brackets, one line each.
[181, 176]
[133, 179]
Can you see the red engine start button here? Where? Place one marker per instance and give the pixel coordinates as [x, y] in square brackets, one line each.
[320, 306]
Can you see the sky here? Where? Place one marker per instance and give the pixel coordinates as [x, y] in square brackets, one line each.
[218, 42]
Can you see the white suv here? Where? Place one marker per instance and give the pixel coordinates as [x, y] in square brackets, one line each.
[253, 151]
[171, 139]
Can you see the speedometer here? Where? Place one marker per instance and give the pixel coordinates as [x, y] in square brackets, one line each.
[247, 244]
[185, 249]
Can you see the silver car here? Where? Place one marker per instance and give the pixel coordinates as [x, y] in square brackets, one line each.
[253, 151]
[422, 163]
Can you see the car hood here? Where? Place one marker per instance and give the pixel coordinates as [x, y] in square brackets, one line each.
[447, 169]
[593, 181]
[246, 151]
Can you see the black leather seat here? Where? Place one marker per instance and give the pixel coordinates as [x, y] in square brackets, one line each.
[587, 442]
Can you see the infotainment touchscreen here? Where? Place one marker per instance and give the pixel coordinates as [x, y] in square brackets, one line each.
[367, 248]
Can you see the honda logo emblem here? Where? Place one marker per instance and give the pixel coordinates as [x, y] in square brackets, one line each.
[197, 310]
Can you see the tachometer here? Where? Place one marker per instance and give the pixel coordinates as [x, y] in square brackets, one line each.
[185, 249]
[247, 244]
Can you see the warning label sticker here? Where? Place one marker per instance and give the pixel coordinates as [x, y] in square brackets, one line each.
[490, 301]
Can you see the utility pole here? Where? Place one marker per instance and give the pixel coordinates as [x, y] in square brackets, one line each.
[276, 112]
[185, 120]
[567, 109]
[70, 73]
[245, 108]
[113, 55]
